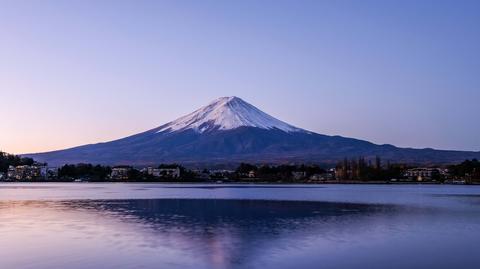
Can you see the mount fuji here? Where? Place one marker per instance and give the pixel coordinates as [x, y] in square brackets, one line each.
[230, 130]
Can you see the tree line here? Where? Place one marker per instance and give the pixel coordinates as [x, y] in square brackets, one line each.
[100, 173]
[360, 169]
[273, 173]
[469, 170]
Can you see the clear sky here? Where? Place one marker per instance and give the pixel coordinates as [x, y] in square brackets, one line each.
[400, 72]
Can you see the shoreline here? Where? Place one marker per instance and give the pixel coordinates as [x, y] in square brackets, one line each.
[246, 183]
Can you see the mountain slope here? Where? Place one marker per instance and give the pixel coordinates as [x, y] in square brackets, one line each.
[229, 130]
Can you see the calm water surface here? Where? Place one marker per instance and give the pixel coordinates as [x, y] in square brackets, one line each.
[47, 226]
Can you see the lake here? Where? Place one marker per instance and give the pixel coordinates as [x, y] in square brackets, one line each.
[47, 226]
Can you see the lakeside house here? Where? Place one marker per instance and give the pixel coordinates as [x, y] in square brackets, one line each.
[322, 177]
[423, 174]
[29, 172]
[163, 172]
[120, 173]
[220, 173]
[297, 175]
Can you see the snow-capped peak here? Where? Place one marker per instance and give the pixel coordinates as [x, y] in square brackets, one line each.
[227, 113]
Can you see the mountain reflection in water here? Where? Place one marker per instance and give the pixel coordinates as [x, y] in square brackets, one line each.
[207, 233]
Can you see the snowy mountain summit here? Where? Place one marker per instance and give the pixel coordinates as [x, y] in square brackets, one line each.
[227, 113]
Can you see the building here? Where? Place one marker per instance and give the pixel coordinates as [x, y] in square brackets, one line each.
[297, 175]
[27, 172]
[120, 173]
[322, 177]
[170, 172]
[422, 174]
[221, 174]
[164, 172]
[11, 172]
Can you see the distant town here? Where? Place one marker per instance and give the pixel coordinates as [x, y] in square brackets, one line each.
[361, 170]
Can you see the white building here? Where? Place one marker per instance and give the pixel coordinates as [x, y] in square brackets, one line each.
[27, 172]
[422, 174]
[120, 173]
[164, 172]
